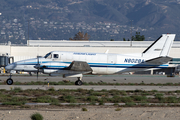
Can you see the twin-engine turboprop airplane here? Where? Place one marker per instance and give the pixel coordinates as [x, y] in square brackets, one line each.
[76, 64]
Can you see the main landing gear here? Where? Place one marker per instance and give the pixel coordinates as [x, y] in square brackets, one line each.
[79, 82]
[9, 81]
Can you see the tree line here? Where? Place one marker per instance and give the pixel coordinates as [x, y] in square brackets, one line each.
[80, 36]
[137, 37]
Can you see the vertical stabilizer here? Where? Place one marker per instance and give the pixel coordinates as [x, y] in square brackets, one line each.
[161, 47]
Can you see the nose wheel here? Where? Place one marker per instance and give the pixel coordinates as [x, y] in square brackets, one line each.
[78, 82]
[9, 81]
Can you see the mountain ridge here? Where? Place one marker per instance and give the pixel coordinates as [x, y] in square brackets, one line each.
[102, 19]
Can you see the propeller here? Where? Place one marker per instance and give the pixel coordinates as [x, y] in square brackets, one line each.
[37, 67]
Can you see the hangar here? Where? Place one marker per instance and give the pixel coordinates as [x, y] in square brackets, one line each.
[35, 48]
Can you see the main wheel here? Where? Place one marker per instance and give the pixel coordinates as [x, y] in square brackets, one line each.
[78, 82]
[9, 81]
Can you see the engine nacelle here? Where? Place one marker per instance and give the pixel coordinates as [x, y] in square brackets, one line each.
[48, 71]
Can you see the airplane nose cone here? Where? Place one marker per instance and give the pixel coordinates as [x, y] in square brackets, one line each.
[10, 66]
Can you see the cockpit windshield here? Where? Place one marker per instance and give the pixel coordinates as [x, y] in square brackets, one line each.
[49, 55]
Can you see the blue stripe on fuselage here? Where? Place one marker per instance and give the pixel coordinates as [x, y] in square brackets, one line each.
[109, 65]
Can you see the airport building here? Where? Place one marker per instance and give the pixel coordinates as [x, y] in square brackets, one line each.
[35, 48]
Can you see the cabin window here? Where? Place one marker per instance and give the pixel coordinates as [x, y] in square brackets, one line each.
[56, 55]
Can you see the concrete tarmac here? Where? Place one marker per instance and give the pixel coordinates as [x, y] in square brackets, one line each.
[147, 79]
[106, 78]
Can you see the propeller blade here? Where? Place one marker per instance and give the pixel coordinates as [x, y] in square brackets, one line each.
[38, 66]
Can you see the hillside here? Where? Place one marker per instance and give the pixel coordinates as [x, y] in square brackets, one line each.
[102, 19]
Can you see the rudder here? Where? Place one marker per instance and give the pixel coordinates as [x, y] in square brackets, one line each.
[160, 47]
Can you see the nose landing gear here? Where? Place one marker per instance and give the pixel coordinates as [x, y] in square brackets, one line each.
[9, 81]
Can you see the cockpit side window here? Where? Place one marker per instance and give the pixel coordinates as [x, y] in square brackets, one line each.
[49, 56]
[56, 55]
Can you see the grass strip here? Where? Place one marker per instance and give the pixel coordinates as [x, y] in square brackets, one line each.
[17, 96]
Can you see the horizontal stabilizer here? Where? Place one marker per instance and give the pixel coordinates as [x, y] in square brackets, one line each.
[79, 66]
[158, 61]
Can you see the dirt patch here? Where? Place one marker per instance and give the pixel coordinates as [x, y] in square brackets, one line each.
[92, 113]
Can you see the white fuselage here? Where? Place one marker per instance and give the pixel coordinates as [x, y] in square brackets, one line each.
[101, 63]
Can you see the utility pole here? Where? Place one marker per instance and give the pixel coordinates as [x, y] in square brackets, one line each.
[28, 29]
[131, 33]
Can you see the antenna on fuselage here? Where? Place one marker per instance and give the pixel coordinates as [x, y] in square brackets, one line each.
[107, 51]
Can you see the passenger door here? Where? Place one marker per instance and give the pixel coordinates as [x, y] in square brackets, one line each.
[112, 67]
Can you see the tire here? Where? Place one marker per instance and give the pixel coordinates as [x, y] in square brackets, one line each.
[9, 81]
[79, 82]
[76, 82]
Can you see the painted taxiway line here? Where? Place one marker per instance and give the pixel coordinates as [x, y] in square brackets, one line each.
[94, 87]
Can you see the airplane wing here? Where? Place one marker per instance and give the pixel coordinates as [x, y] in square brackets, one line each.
[79, 66]
[158, 61]
[76, 68]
